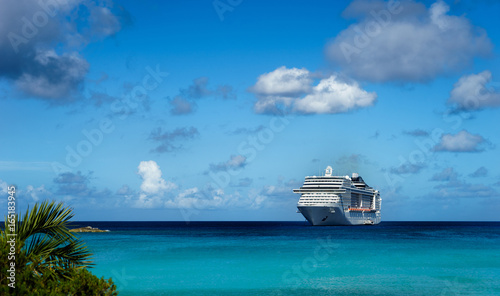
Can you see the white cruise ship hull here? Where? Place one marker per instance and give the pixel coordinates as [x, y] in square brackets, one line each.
[330, 200]
[335, 216]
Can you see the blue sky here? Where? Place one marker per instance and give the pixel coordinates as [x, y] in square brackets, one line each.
[216, 110]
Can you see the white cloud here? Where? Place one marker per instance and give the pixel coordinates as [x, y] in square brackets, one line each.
[463, 141]
[291, 90]
[406, 42]
[103, 21]
[3, 187]
[471, 92]
[272, 104]
[153, 187]
[273, 196]
[283, 82]
[334, 96]
[25, 195]
[152, 181]
[158, 193]
[39, 193]
[193, 198]
[276, 90]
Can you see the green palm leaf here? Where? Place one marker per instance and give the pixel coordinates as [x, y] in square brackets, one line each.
[48, 218]
[43, 236]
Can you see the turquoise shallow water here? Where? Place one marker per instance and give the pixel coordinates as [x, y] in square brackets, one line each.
[293, 258]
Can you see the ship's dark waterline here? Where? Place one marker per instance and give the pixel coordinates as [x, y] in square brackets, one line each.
[294, 258]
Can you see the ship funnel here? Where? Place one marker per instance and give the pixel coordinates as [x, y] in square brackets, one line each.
[328, 171]
[355, 175]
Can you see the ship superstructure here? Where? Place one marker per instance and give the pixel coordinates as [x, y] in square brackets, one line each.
[338, 200]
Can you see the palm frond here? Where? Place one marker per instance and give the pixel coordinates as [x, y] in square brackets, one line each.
[48, 218]
[44, 237]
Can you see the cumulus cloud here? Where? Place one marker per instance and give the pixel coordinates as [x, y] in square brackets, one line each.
[277, 89]
[463, 141]
[181, 106]
[198, 89]
[408, 168]
[461, 189]
[169, 140]
[3, 187]
[185, 101]
[334, 96]
[291, 90]
[53, 77]
[152, 181]
[73, 185]
[27, 195]
[283, 82]
[103, 22]
[194, 198]
[405, 42]
[153, 186]
[67, 187]
[479, 173]
[235, 162]
[31, 35]
[156, 192]
[69, 183]
[471, 92]
[447, 174]
[275, 195]
[38, 193]
[71, 178]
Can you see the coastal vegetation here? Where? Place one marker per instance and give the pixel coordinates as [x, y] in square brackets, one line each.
[39, 255]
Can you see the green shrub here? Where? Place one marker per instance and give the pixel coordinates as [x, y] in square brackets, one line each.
[49, 260]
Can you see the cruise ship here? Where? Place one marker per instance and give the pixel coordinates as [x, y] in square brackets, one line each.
[338, 200]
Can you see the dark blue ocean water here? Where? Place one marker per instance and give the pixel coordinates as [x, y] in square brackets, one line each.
[293, 258]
